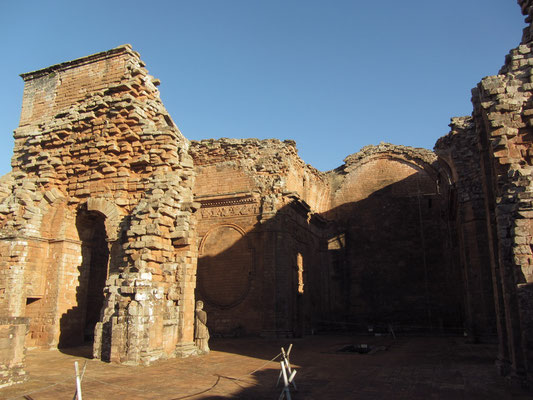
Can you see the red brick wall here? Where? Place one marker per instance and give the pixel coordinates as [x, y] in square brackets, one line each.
[94, 136]
[12, 351]
[392, 214]
[221, 179]
[55, 91]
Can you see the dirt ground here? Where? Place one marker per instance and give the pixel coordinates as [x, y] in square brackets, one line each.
[405, 368]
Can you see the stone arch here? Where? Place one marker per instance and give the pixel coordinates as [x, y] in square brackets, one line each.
[92, 229]
[430, 167]
[49, 232]
[420, 160]
[53, 215]
[445, 167]
[449, 182]
[384, 175]
[111, 213]
[236, 227]
[30, 209]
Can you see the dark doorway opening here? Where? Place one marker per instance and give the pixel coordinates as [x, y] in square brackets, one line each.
[77, 325]
[97, 251]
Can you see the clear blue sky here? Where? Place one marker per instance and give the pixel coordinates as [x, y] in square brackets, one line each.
[334, 75]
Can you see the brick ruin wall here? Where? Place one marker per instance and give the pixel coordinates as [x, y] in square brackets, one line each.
[12, 350]
[389, 204]
[503, 106]
[258, 239]
[266, 167]
[343, 221]
[106, 196]
[459, 152]
[95, 144]
[490, 155]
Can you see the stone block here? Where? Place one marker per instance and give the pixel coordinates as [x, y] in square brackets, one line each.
[12, 352]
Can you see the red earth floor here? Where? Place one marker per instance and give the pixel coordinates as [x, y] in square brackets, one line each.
[405, 368]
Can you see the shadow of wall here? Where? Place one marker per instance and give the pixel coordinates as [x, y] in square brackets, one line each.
[459, 153]
[77, 324]
[400, 258]
[251, 281]
[387, 259]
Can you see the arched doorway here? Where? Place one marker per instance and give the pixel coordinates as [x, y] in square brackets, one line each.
[77, 325]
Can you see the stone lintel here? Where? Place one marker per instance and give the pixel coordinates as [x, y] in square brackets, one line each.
[225, 199]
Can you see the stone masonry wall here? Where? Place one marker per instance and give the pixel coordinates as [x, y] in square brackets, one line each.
[254, 222]
[266, 165]
[502, 108]
[12, 350]
[108, 209]
[499, 131]
[95, 139]
[459, 150]
[389, 206]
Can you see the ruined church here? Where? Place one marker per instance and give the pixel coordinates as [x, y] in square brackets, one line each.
[113, 224]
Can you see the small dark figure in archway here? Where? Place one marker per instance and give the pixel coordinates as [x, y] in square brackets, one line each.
[201, 333]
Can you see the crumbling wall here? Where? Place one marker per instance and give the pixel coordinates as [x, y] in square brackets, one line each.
[229, 165]
[496, 169]
[502, 108]
[102, 189]
[255, 224]
[95, 141]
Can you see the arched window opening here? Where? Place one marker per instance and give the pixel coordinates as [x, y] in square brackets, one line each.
[300, 265]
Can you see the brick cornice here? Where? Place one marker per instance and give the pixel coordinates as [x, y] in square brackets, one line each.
[117, 51]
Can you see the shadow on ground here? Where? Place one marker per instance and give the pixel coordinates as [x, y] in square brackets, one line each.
[83, 351]
[405, 368]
